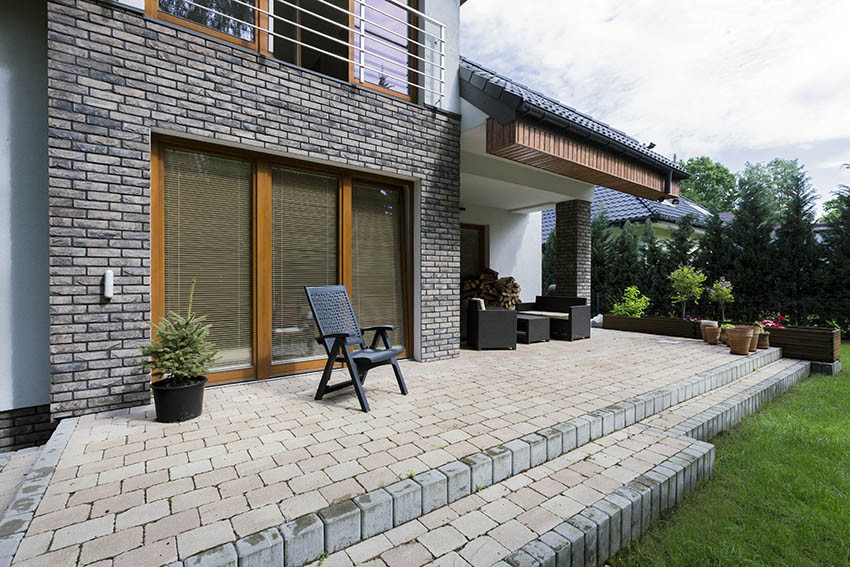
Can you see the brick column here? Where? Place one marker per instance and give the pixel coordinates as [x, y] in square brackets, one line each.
[572, 233]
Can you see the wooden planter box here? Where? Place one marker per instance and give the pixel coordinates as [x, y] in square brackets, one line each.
[808, 343]
[654, 325]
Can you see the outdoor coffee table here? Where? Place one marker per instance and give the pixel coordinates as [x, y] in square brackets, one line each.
[531, 329]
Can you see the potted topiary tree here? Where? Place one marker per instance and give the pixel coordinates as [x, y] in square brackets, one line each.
[179, 355]
[687, 285]
[721, 293]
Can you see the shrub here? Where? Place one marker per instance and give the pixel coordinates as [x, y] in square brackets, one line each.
[687, 285]
[721, 293]
[181, 350]
[633, 305]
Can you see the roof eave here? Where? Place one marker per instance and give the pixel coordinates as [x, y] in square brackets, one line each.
[533, 113]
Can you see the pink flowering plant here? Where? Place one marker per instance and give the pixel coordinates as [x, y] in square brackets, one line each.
[772, 320]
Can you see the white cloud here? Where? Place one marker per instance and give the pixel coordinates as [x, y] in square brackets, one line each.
[696, 77]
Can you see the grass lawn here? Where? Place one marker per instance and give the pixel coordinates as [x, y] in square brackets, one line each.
[780, 494]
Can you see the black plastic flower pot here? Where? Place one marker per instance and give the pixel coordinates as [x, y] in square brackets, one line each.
[178, 403]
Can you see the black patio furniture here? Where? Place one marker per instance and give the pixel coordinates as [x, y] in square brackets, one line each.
[531, 328]
[492, 327]
[339, 332]
[569, 317]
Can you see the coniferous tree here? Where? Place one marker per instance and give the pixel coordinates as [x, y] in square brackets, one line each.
[600, 247]
[681, 245]
[625, 261]
[750, 243]
[653, 276]
[713, 254]
[835, 271]
[795, 251]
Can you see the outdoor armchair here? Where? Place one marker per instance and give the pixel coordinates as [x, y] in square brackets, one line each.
[339, 332]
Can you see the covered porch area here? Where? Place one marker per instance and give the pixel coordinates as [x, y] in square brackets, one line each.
[523, 152]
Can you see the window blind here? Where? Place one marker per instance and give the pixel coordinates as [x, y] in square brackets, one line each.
[304, 253]
[377, 271]
[208, 236]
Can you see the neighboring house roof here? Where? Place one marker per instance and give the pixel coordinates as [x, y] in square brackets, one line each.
[519, 101]
[621, 207]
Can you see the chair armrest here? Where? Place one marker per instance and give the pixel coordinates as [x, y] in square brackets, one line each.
[378, 328]
[334, 336]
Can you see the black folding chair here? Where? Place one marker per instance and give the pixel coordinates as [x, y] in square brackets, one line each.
[338, 331]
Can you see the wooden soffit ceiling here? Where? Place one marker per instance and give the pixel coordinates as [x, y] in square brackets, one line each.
[532, 145]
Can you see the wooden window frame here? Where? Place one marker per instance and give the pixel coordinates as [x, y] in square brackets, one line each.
[261, 42]
[413, 91]
[262, 366]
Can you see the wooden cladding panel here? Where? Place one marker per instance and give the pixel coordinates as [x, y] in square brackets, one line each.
[540, 148]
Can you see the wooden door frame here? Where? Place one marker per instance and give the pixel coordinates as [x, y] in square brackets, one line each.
[262, 164]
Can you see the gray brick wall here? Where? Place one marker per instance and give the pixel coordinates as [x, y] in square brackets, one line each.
[114, 76]
[25, 427]
[572, 233]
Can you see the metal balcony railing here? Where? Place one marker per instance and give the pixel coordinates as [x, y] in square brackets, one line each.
[374, 34]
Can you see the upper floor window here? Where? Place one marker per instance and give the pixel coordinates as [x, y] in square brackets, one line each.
[235, 18]
[377, 43]
[382, 45]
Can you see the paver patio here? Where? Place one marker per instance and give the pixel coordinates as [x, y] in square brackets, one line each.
[143, 493]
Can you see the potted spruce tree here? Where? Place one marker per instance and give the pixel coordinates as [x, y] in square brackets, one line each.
[179, 356]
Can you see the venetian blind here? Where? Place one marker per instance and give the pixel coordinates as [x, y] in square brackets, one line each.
[208, 236]
[304, 253]
[377, 272]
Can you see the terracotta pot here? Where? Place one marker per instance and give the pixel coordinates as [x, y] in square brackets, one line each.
[723, 336]
[764, 340]
[702, 327]
[754, 340]
[739, 340]
[712, 334]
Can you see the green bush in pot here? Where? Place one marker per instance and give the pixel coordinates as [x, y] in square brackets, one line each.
[180, 354]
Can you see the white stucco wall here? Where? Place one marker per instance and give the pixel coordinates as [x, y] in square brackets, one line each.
[514, 245]
[447, 12]
[24, 295]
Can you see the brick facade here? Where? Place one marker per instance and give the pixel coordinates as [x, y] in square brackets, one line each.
[116, 76]
[25, 427]
[572, 233]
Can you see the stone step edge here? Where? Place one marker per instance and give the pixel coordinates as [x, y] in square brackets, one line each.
[728, 413]
[570, 542]
[311, 536]
[592, 536]
[18, 515]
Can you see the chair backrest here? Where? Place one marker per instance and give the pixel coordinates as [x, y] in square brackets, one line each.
[557, 303]
[334, 313]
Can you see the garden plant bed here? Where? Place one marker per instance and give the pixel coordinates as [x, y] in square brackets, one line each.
[669, 326]
[805, 343]
[808, 343]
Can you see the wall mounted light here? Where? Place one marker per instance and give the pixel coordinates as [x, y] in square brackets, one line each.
[108, 284]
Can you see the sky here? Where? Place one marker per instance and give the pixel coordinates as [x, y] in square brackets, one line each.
[737, 81]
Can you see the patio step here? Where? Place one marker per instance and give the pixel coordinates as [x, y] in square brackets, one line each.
[693, 421]
[28, 486]
[435, 513]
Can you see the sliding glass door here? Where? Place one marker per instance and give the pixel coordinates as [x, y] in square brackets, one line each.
[304, 253]
[208, 238]
[377, 261]
[253, 232]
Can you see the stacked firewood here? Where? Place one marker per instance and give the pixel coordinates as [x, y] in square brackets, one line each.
[495, 291]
